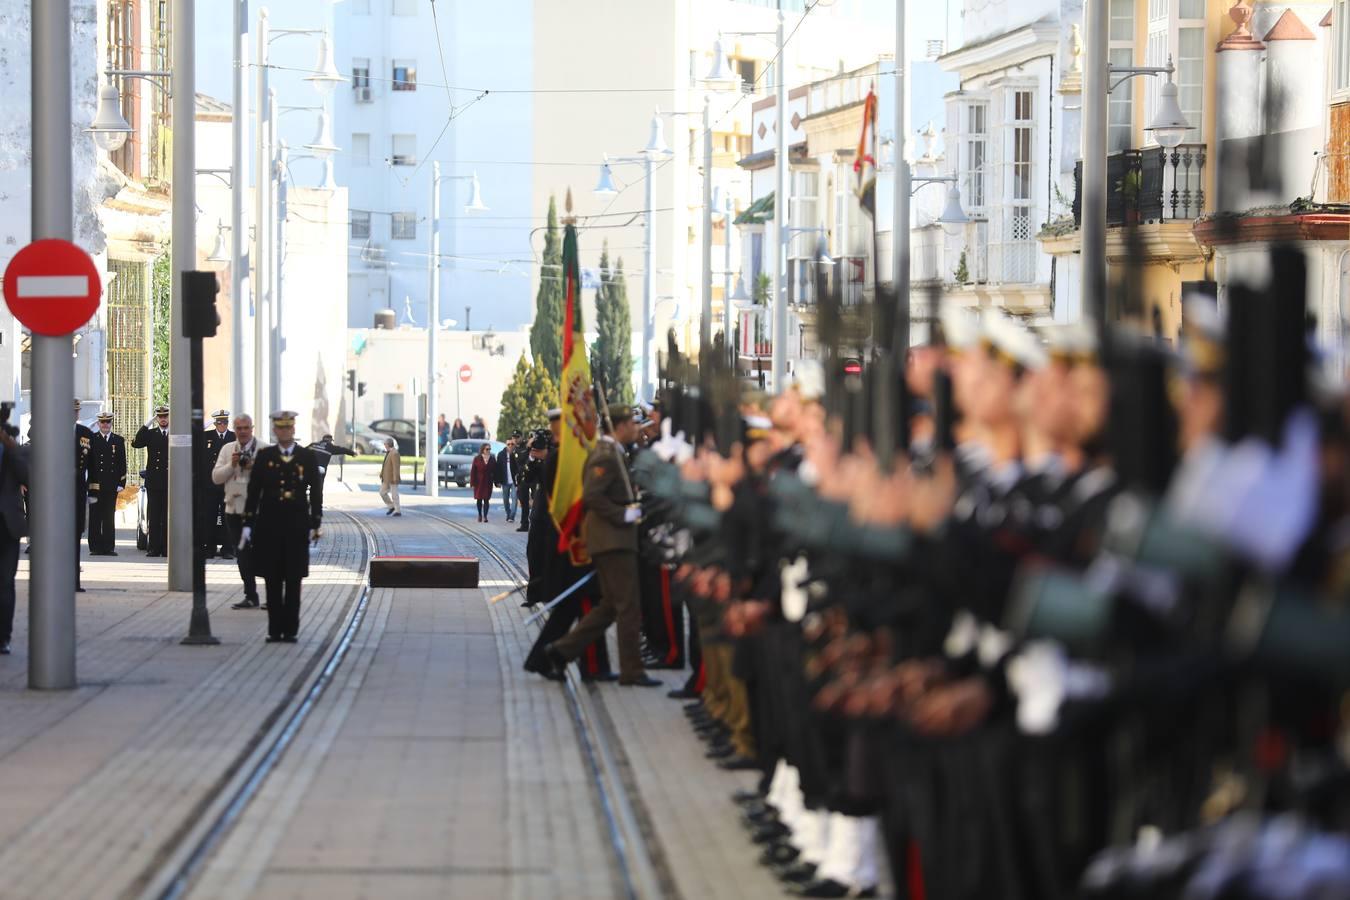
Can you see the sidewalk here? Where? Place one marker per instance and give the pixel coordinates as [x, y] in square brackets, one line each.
[96, 780]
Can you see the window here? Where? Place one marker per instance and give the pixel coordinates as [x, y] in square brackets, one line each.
[1120, 108]
[1340, 24]
[746, 69]
[360, 220]
[405, 75]
[360, 152]
[404, 152]
[405, 7]
[804, 213]
[1176, 28]
[403, 226]
[976, 147]
[1019, 250]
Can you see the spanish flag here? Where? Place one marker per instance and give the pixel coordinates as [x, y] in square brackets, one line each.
[579, 417]
[865, 160]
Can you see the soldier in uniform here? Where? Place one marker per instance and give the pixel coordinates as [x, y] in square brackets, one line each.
[610, 531]
[83, 439]
[212, 503]
[154, 439]
[107, 476]
[282, 516]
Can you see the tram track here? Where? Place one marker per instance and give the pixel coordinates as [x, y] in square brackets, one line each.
[185, 855]
[642, 866]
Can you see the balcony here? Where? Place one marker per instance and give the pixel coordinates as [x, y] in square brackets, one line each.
[1150, 186]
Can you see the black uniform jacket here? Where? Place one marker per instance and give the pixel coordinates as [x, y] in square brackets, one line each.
[107, 465]
[285, 501]
[156, 445]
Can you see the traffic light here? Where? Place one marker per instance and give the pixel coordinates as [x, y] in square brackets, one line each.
[351, 379]
[200, 319]
[361, 389]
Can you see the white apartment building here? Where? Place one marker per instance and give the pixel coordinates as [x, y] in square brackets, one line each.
[435, 82]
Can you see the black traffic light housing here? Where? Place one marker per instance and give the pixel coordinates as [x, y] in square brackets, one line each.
[360, 389]
[351, 379]
[200, 319]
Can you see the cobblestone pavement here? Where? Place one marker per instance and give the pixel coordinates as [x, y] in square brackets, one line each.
[431, 765]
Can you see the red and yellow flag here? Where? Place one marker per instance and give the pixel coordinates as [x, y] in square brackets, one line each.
[865, 160]
[579, 418]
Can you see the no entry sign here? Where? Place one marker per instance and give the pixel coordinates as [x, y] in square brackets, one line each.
[465, 373]
[52, 287]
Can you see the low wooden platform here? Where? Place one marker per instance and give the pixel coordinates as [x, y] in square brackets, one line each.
[424, 572]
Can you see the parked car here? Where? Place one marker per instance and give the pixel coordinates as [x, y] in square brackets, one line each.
[404, 431]
[457, 459]
[368, 442]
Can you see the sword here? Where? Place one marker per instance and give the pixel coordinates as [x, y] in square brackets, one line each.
[561, 597]
[504, 594]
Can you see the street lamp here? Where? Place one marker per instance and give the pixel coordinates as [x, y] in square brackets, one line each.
[656, 149]
[325, 76]
[474, 205]
[220, 254]
[953, 217]
[110, 128]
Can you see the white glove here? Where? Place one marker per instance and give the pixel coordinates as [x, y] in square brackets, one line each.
[245, 536]
[631, 515]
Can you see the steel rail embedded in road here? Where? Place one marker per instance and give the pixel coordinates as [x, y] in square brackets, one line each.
[641, 866]
[185, 855]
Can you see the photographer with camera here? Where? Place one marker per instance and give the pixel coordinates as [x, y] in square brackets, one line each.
[233, 467]
[13, 522]
[529, 463]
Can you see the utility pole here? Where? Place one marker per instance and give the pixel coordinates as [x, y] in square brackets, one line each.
[705, 317]
[433, 331]
[184, 257]
[262, 178]
[277, 343]
[648, 275]
[780, 215]
[238, 184]
[1095, 97]
[51, 602]
[900, 226]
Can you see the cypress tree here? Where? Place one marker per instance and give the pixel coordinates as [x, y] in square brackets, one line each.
[546, 331]
[612, 359]
[527, 399]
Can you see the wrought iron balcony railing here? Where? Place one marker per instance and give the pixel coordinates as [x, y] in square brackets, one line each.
[1151, 185]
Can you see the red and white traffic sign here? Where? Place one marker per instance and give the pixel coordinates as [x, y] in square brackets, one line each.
[465, 373]
[52, 287]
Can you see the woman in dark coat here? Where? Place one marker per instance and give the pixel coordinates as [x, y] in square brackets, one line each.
[457, 431]
[480, 479]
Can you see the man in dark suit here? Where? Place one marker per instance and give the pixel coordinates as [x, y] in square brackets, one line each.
[211, 502]
[610, 532]
[154, 439]
[505, 475]
[84, 439]
[13, 525]
[107, 476]
[282, 516]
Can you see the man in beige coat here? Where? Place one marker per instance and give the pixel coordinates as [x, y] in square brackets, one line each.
[233, 467]
[390, 474]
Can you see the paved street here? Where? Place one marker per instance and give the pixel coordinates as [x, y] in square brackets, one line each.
[429, 766]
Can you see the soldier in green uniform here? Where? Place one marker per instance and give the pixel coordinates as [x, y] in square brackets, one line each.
[610, 531]
[283, 513]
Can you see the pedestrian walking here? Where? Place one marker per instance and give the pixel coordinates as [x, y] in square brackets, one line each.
[107, 478]
[610, 531]
[154, 439]
[442, 432]
[505, 473]
[480, 479]
[391, 473]
[13, 525]
[458, 432]
[216, 540]
[282, 517]
[478, 431]
[232, 469]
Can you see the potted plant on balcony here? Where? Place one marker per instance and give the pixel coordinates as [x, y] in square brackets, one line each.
[1129, 186]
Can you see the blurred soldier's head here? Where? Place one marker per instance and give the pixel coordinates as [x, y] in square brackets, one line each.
[555, 424]
[162, 416]
[625, 426]
[283, 426]
[105, 423]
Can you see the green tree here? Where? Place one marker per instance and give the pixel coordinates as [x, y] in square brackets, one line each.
[763, 285]
[546, 331]
[611, 357]
[527, 399]
[161, 299]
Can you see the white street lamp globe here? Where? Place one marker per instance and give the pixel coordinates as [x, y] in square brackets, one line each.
[953, 217]
[326, 75]
[475, 197]
[323, 138]
[605, 188]
[1169, 126]
[656, 142]
[109, 128]
[220, 254]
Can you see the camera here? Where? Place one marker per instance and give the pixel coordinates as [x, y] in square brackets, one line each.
[245, 458]
[541, 439]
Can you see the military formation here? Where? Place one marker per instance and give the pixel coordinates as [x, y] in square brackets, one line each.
[1039, 614]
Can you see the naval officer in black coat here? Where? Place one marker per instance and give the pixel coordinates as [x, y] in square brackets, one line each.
[154, 439]
[281, 519]
[107, 476]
